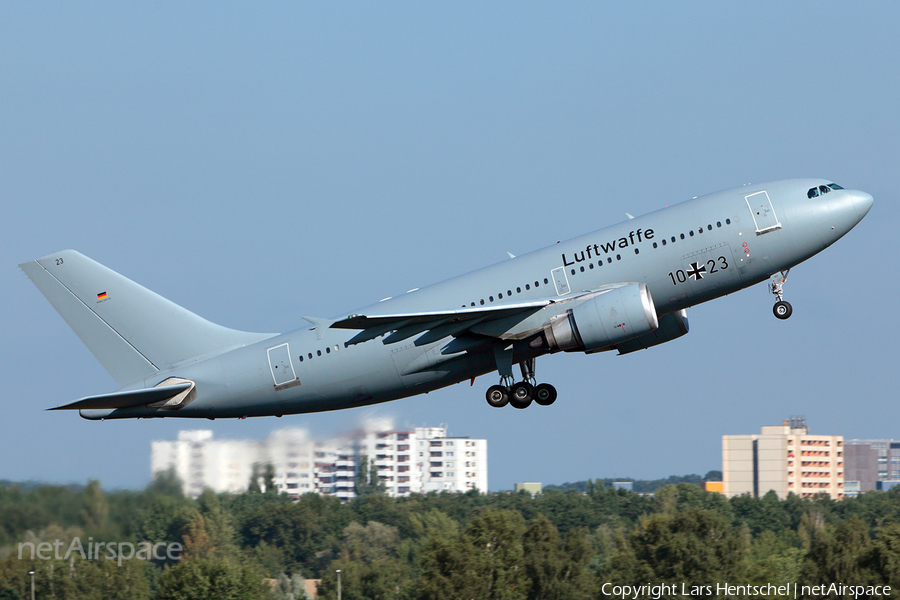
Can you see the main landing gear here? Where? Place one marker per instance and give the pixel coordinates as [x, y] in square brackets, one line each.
[781, 309]
[521, 395]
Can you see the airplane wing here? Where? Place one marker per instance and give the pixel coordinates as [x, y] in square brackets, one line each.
[458, 315]
[503, 321]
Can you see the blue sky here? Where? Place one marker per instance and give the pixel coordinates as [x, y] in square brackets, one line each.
[255, 163]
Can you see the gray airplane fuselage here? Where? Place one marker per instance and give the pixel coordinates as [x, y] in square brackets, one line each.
[685, 254]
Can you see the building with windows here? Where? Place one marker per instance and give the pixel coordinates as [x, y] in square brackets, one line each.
[412, 461]
[785, 459]
[871, 465]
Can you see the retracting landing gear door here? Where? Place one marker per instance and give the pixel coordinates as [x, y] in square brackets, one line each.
[763, 213]
[281, 366]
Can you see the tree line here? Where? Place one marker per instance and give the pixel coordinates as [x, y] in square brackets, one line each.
[557, 545]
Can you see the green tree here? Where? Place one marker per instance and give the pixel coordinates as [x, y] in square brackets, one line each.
[96, 509]
[842, 554]
[886, 555]
[367, 480]
[485, 562]
[269, 478]
[773, 557]
[557, 569]
[202, 579]
[694, 546]
[713, 476]
[253, 485]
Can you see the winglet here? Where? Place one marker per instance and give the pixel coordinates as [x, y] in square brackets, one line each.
[511, 255]
[320, 325]
[629, 216]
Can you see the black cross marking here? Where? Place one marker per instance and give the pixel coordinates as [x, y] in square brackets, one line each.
[696, 271]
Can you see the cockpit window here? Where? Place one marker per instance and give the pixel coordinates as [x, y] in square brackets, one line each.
[822, 189]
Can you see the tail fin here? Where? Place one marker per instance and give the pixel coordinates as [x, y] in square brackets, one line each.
[133, 332]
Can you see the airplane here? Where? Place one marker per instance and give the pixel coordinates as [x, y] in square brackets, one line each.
[623, 288]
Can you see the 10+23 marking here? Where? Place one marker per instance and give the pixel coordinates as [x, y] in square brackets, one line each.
[697, 270]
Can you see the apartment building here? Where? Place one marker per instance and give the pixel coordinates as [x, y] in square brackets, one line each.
[785, 459]
[412, 461]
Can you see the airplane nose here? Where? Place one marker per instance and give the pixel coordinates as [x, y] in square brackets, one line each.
[863, 202]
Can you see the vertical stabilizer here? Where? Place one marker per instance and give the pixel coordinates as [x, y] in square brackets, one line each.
[133, 332]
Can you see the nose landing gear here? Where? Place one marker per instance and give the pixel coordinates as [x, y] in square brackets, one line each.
[782, 309]
[520, 395]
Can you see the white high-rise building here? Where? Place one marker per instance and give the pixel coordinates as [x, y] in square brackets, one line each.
[421, 460]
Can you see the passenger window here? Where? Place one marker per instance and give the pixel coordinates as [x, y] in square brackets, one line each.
[500, 296]
[573, 271]
[310, 355]
[691, 232]
[582, 269]
[618, 257]
[609, 260]
[682, 236]
[664, 241]
[718, 223]
[709, 227]
[545, 280]
[509, 292]
[673, 239]
[490, 298]
[318, 353]
[518, 290]
[327, 350]
[482, 301]
[536, 284]
[473, 304]
[728, 221]
[527, 286]
[591, 265]
[637, 251]
[301, 358]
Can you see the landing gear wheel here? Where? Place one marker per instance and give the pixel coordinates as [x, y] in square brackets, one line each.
[545, 394]
[782, 309]
[497, 396]
[521, 395]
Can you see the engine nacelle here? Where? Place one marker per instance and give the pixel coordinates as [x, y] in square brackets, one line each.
[601, 322]
[671, 326]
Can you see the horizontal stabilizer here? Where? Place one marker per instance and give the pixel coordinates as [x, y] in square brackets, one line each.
[129, 398]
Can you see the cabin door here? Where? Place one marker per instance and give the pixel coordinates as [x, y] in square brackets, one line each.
[280, 365]
[763, 213]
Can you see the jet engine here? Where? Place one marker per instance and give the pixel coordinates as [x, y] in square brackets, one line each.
[599, 323]
[671, 326]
